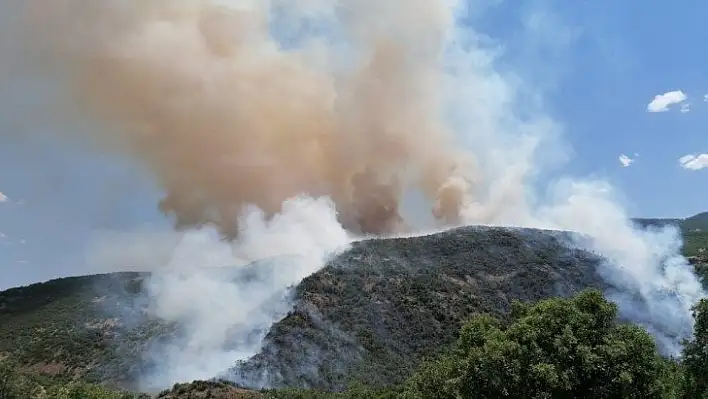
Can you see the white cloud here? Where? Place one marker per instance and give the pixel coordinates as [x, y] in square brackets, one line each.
[685, 108]
[661, 102]
[625, 161]
[705, 97]
[3, 197]
[694, 162]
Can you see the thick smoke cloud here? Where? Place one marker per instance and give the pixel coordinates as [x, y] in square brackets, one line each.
[235, 104]
[223, 116]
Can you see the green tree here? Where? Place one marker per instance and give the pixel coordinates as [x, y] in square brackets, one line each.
[8, 379]
[695, 355]
[558, 348]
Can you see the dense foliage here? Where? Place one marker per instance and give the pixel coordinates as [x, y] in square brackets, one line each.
[695, 355]
[559, 348]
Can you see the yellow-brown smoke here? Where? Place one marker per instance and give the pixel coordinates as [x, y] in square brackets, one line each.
[223, 116]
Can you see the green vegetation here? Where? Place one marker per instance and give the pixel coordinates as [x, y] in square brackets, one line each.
[18, 383]
[81, 328]
[695, 243]
[695, 355]
[559, 348]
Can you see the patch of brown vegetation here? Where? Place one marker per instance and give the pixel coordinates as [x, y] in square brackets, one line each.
[50, 369]
[106, 324]
[209, 389]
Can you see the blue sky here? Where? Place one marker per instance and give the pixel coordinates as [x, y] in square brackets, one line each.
[600, 62]
[608, 61]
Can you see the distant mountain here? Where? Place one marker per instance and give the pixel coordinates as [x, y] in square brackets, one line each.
[698, 221]
[694, 230]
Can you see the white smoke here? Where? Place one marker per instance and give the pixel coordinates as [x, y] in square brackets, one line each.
[655, 285]
[227, 294]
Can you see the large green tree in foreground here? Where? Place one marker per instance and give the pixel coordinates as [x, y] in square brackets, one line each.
[558, 348]
[695, 355]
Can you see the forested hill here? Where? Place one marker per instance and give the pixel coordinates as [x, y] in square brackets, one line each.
[371, 316]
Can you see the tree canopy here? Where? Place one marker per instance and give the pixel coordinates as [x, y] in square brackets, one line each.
[695, 355]
[557, 348]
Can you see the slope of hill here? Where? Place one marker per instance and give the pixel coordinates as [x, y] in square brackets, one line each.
[376, 311]
[71, 327]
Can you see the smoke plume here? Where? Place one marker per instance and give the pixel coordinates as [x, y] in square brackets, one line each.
[246, 104]
[224, 116]
[227, 311]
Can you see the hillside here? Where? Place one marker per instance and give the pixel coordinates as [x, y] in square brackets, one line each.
[372, 314]
[698, 221]
[69, 328]
[376, 311]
